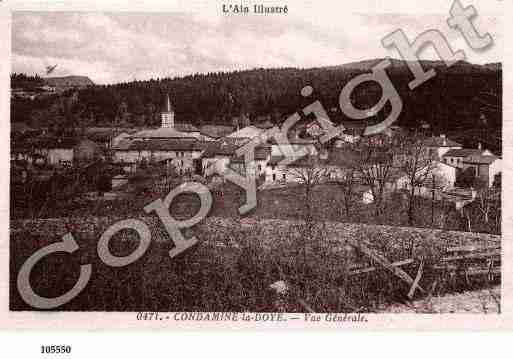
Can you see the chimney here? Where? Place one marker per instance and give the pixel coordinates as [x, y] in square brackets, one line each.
[479, 147]
[442, 136]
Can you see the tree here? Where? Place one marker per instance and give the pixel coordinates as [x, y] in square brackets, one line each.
[486, 199]
[308, 172]
[375, 165]
[347, 185]
[417, 164]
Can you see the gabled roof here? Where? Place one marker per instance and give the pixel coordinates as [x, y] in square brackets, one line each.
[222, 147]
[480, 159]
[440, 142]
[247, 132]
[463, 152]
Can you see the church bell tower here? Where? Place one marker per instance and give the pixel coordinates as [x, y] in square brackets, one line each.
[168, 115]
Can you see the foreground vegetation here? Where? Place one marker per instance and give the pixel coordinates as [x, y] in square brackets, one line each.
[234, 266]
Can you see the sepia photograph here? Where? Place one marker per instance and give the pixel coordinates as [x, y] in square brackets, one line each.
[257, 164]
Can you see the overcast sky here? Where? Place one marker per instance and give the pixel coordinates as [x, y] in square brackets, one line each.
[116, 47]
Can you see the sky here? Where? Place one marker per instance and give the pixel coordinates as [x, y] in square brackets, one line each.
[123, 46]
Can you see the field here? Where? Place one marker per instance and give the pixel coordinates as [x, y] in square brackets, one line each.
[283, 203]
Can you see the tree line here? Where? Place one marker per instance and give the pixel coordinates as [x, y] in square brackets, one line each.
[458, 99]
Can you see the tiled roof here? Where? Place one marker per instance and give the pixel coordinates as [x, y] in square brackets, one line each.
[162, 145]
[223, 147]
[440, 142]
[304, 161]
[247, 132]
[163, 132]
[186, 127]
[463, 152]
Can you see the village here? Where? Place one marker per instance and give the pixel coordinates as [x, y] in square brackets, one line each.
[105, 164]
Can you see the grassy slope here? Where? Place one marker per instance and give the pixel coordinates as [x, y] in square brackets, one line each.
[232, 268]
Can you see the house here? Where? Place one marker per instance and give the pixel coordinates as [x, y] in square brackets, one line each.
[218, 155]
[261, 156]
[56, 151]
[107, 137]
[485, 167]
[455, 157]
[484, 164]
[440, 145]
[183, 154]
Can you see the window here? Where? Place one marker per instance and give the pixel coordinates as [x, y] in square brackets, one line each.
[274, 177]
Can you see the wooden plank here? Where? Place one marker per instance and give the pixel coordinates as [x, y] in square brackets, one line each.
[417, 280]
[379, 259]
[495, 253]
[473, 248]
[371, 269]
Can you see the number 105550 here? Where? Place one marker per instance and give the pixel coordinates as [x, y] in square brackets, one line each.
[55, 349]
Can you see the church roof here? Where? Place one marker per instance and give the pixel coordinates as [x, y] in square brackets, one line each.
[162, 132]
[163, 145]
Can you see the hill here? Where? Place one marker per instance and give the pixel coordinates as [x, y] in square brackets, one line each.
[67, 82]
[456, 98]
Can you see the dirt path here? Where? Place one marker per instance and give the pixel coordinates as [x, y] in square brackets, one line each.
[480, 301]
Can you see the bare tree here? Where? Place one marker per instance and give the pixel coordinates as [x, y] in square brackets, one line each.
[414, 160]
[308, 172]
[375, 167]
[486, 199]
[347, 185]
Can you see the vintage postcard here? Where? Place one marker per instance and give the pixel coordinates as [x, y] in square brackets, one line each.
[256, 164]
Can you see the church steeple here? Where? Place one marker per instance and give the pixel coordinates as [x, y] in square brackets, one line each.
[168, 115]
[168, 105]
